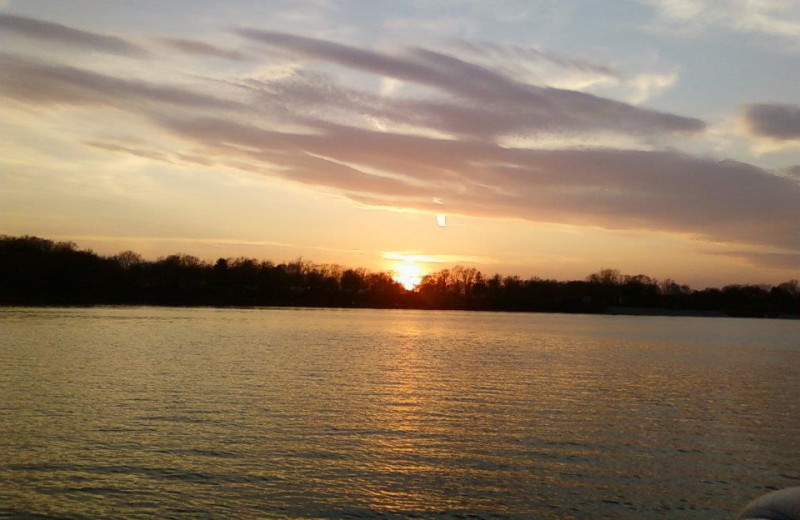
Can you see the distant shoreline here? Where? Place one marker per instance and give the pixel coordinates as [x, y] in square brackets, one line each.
[38, 272]
[619, 311]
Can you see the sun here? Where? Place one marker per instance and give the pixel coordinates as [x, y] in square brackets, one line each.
[408, 274]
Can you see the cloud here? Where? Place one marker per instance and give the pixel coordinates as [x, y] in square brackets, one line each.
[772, 17]
[503, 53]
[63, 35]
[136, 152]
[226, 242]
[44, 83]
[534, 65]
[406, 256]
[408, 151]
[545, 108]
[787, 261]
[779, 122]
[197, 48]
[318, 95]
[646, 86]
[617, 189]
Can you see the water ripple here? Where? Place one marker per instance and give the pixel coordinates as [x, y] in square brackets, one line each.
[198, 413]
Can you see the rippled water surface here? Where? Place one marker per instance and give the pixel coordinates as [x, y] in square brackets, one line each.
[147, 412]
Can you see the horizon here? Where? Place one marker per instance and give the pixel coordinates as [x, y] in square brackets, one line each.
[531, 139]
[409, 273]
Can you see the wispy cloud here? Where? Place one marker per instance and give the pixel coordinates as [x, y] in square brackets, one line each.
[787, 261]
[505, 53]
[143, 153]
[63, 35]
[772, 17]
[198, 48]
[621, 189]
[218, 241]
[441, 139]
[411, 256]
[648, 85]
[543, 108]
[534, 65]
[46, 83]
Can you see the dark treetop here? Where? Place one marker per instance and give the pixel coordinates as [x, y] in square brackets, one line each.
[35, 271]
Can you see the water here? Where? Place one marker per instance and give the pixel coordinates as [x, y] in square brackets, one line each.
[200, 413]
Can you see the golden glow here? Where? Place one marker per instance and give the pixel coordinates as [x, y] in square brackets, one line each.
[408, 274]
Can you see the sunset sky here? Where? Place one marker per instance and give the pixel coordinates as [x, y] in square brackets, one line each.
[549, 138]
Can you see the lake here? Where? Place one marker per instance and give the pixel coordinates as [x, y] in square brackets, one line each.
[319, 413]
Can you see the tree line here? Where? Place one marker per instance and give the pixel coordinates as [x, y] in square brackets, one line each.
[36, 271]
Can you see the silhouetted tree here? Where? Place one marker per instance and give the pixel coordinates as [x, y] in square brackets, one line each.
[35, 271]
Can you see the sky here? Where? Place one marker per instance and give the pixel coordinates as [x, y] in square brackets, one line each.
[544, 138]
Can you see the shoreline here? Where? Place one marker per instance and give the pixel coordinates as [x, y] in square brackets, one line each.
[611, 311]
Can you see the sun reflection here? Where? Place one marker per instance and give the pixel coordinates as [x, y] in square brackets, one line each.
[408, 274]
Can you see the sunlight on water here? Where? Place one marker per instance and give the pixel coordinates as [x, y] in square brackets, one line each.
[333, 413]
